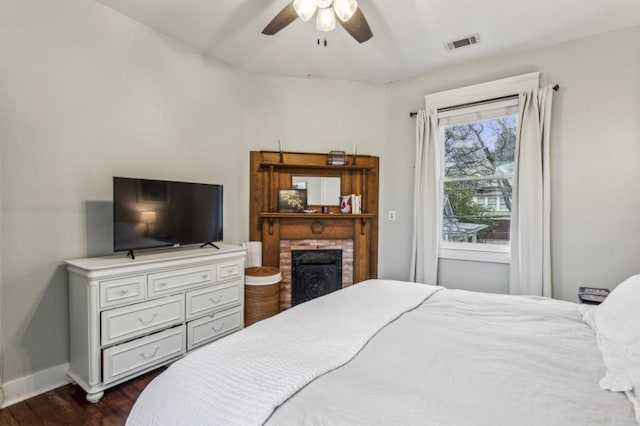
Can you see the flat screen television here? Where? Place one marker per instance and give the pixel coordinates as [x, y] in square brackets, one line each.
[159, 213]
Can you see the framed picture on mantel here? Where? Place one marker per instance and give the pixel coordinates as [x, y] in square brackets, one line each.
[292, 200]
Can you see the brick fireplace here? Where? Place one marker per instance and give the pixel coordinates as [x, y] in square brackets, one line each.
[286, 248]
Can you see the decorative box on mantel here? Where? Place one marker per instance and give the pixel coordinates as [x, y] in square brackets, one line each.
[337, 158]
[359, 231]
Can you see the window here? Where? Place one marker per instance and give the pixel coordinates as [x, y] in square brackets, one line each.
[477, 128]
[478, 148]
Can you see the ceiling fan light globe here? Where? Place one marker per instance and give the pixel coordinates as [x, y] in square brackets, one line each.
[305, 8]
[326, 20]
[323, 3]
[345, 9]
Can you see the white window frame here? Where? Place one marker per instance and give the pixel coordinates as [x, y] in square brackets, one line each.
[466, 95]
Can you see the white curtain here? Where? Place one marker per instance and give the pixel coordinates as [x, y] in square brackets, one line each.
[426, 217]
[530, 270]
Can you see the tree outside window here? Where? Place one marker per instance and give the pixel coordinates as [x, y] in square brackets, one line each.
[478, 177]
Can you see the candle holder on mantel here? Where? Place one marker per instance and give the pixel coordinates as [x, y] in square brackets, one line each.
[281, 150]
[337, 158]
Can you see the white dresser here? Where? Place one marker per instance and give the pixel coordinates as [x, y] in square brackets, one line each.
[130, 316]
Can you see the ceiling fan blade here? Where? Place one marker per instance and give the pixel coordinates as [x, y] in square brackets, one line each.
[358, 27]
[282, 19]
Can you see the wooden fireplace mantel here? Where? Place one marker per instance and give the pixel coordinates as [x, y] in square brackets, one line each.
[268, 175]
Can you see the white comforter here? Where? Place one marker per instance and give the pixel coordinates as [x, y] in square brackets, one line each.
[241, 379]
[459, 358]
[464, 358]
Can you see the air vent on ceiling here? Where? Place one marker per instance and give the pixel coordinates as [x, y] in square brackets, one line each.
[467, 41]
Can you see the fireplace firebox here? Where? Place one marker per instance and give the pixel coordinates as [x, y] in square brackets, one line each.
[314, 273]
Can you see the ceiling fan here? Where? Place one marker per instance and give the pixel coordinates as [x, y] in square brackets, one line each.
[347, 11]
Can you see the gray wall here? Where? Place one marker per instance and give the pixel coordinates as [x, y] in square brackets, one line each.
[595, 161]
[86, 94]
[316, 115]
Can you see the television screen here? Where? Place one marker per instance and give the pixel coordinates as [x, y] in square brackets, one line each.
[157, 213]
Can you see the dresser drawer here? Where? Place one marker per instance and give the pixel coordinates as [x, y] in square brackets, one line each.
[122, 290]
[218, 297]
[141, 318]
[126, 359]
[215, 325]
[180, 279]
[229, 270]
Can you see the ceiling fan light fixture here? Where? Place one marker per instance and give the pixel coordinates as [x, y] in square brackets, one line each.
[345, 9]
[322, 4]
[305, 8]
[326, 20]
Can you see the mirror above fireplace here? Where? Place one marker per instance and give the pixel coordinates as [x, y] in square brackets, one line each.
[321, 191]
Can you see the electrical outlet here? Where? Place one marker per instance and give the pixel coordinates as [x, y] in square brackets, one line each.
[392, 215]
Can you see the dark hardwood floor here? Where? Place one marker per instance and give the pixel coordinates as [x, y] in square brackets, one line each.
[67, 405]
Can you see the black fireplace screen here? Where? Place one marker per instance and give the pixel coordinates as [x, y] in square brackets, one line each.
[314, 273]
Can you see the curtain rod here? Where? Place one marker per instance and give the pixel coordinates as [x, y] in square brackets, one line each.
[414, 113]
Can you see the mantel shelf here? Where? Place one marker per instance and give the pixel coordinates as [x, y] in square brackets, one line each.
[317, 215]
[314, 166]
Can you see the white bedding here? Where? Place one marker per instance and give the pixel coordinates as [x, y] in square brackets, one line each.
[464, 358]
[459, 358]
[243, 377]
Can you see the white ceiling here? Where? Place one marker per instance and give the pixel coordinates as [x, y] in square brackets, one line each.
[408, 34]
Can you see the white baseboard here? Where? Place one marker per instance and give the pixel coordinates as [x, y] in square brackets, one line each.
[42, 381]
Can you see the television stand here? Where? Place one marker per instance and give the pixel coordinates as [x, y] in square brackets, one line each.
[131, 255]
[128, 318]
[210, 244]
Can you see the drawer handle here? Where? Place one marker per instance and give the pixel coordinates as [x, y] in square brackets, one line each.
[147, 357]
[124, 291]
[216, 301]
[150, 320]
[205, 276]
[230, 271]
[217, 330]
[162, 284]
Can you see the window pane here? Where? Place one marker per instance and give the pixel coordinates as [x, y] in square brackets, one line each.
[483, 148]
[471, 213]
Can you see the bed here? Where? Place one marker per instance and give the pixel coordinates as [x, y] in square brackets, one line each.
[395, 353]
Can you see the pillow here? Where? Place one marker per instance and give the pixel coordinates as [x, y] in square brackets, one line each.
[617, 325]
